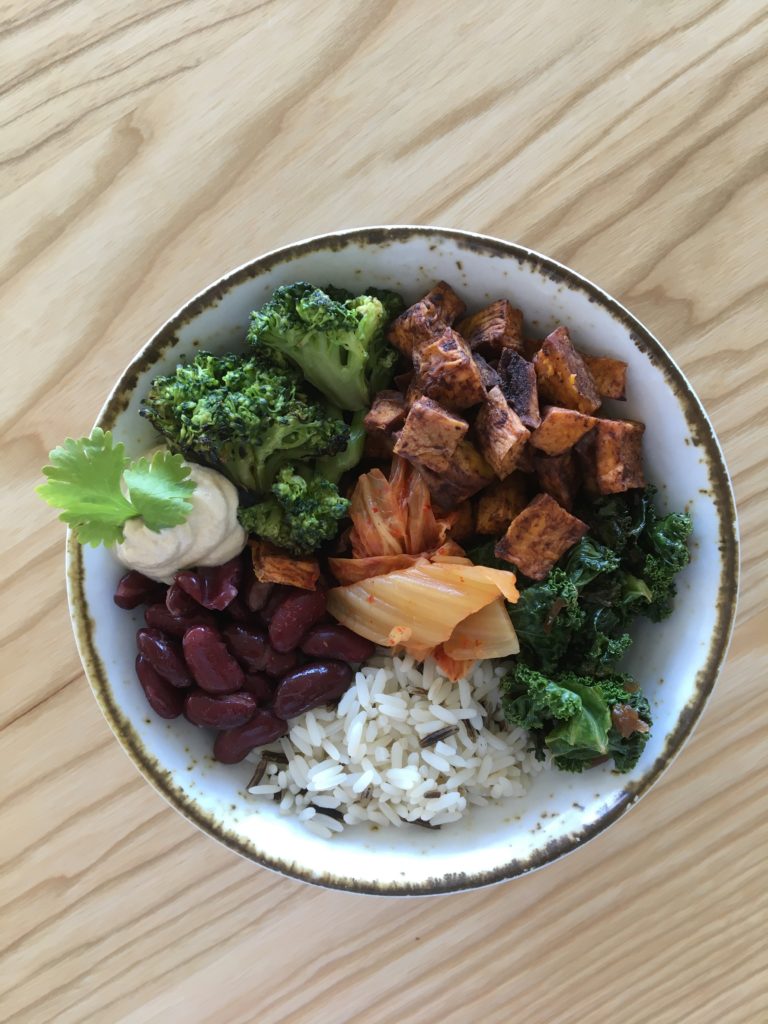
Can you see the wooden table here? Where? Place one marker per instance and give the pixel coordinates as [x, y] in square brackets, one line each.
[147, 147]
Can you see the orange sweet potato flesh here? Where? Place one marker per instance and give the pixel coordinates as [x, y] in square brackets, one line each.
[467, 474]
[439, 308]
[353, 570]
[498, 504]
[430, 435]
[539, 536]
[618, 453]
[609, 375]
[494, 328]
[562, 375]
[500, 435]
[447, 373]
[273, 565]
[387, 413]
[560, 429]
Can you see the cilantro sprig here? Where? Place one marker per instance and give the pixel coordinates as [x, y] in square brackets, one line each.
[98, 488]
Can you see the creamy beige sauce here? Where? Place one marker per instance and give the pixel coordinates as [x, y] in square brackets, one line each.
[211, 534]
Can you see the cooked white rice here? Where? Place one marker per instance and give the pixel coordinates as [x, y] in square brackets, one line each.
[363, 761]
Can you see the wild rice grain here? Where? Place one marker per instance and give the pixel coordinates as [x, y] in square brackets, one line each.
[434, 737]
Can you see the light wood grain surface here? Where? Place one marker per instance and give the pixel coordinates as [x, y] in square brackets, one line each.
[145, 148]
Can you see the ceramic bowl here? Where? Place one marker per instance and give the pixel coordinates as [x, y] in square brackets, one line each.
[676, 661]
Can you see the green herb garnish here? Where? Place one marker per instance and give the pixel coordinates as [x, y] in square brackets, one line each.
[85, 479]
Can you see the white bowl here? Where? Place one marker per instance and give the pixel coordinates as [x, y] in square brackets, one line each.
[676, 661]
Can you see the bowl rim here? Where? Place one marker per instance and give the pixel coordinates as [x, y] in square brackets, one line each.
[698, 422]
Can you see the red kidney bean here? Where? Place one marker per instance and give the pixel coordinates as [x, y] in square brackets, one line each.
[310, 686]
[277, 663]
[157, 616]
[239, 612]
[279, 593]
[249, 646]
[214, 586]
[223, 712]
[295, 615]
[257, 594]
[164, 699]
[178, 601]
[165, 656]
[213, 667]
[337, 642]
[261, 686]
[134, 589]
[234, 744]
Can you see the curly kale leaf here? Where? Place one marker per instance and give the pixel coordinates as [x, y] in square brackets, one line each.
[530, 698]
[588, 560]
[546, 618]
[579, 719]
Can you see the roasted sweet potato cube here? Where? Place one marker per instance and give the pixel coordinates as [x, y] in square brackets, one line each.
[562, 375]
[494, 328]
[489, 376]
[273, 565]
[609, 375]
[498, 504]
[431, 435]
[558, 476]
[560, 429]
[518, 383]
[619, 455]
[439, 308]
[385, 417]
[444, 300]
[539, 536]
[387, 413]
[447, 373]
[500, 435]
[467, 474]
[461, 522]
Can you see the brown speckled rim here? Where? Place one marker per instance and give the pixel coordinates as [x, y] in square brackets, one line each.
[702, 434]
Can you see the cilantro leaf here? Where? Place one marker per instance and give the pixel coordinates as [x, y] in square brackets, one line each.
[85, 481]
[160, 489]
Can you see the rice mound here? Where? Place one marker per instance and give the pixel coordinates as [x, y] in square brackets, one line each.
[363, 761]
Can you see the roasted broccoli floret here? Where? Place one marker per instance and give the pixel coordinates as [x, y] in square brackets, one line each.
[338, 342]
[242, 416]
[333, 467]
[301, 514]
